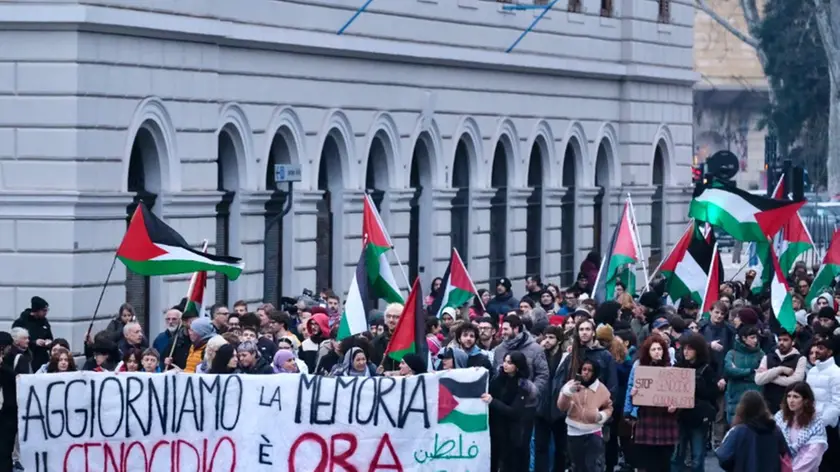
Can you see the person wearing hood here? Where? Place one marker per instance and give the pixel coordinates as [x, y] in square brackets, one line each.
[200, 331]
[780, 369]
[355, 364]
[225, 361]
[285, 362]
[517, 338]
[587, 404]
[34, 320]
[250, 361]
[739, 368]
[467, 336]
[316, 345]
[512, 399]
[821, 301]
[754, 443]
[452, 358]
[503, 303]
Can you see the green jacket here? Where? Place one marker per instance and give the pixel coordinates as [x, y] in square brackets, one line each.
[739, 367]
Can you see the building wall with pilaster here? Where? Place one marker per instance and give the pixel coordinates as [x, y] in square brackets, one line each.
[73, 99]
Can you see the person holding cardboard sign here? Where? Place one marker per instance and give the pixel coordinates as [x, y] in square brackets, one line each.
[655, 431]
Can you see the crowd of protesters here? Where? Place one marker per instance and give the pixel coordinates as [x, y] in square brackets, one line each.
[563, 367]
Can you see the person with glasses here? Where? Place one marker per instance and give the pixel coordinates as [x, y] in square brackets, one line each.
[220, 314]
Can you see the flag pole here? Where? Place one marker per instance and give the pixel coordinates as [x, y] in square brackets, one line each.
[101, 295]
[388, 236]
[638, 241]
[598, 277]
[472, 284]
[189, 292]
[400, 265]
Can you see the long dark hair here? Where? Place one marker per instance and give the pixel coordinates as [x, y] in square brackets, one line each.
[52, 367]
[752, 409]
[521, 362]
[808, 411]
[644, 351]
[578, 354]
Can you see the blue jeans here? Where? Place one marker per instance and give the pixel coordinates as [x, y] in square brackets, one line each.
[694, 438]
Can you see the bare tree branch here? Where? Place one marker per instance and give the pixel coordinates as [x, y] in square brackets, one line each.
[751, 16]
[704, 6]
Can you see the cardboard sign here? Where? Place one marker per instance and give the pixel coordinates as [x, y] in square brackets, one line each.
[88, 421]
[664, 386]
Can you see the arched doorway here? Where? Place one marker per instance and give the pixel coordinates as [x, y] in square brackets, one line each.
[330, 181]
[657, 206]
[144, 181]
[420, 221]
[601, 211]
[279, 153]
[567, 232]
[498, 213]
[227, 216]
[460, 214]
[376, 175]
[534, 223]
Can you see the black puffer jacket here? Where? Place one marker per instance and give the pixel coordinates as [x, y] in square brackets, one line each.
[39, 328]
[705, 395]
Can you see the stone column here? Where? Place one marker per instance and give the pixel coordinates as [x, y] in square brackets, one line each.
[249, 285]
[347, 238]
[517, 241]
[193, 215]
[441, 230]
[398, 225]
[552, 235]
[584, 238]
[613, 205]
[478, 261]
[300, 244]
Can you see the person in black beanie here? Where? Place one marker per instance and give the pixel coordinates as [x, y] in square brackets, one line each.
[34, 320]
[412, 364]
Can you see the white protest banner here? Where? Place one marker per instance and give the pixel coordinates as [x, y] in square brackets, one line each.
[103, 422]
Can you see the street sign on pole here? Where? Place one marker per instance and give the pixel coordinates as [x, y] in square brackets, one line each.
[286, 173]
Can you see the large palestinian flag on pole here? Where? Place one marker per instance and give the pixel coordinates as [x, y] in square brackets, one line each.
[686, 269]
[793, 239]
[458, 287]
[377, 243]
[780, 297]
[410, 334]
[745, 216]
[151, 247]
[459, 403]
[829, 270]
[357, 306]
[622, 255]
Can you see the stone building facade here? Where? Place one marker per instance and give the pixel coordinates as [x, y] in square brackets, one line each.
[730, 95]
[521, 160]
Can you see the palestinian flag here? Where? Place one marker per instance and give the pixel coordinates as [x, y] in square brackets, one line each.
[410, 333]
[357, 306]
[458, 286]
[761, 262]
[195, 296]
[829, 270]
[686, 269]
[459, 402]
[622, 254]
[745, 216]
[377, 243]
[793, 239]
[780, 298]
[151, 247]
[711, 294]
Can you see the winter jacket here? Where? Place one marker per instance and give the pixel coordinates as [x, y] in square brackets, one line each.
[705, 396]
[115, 330]
[587, 409]
[500, 305]
[261, 366]
[534, 354]
[724, 333]
[753, 447]
[606, 375]
[511, 410]
[769, 375]
[18, 361]
[824, 379]
[479, 358]
[124, 347]
[39, 328]
[739, 368]
[195, 357]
